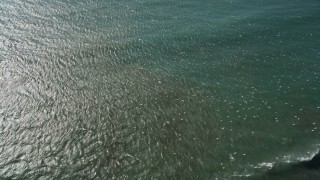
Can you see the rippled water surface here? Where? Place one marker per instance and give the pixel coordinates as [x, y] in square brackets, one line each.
[158, 89]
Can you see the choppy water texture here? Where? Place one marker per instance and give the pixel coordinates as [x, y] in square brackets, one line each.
[159, 89]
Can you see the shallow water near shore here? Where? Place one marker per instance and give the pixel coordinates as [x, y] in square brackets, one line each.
[154, 89]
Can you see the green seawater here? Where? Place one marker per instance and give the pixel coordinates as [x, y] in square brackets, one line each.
[159, 89]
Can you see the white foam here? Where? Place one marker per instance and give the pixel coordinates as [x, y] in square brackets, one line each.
[267, 165]
[298, 157]
[242, 175]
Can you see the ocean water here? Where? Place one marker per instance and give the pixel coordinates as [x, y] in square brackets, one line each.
[159, 89]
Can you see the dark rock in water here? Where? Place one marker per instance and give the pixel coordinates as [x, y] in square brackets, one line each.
[301, 170]
[314, 163]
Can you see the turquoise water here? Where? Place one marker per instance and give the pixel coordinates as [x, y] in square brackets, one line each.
[159, 89]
